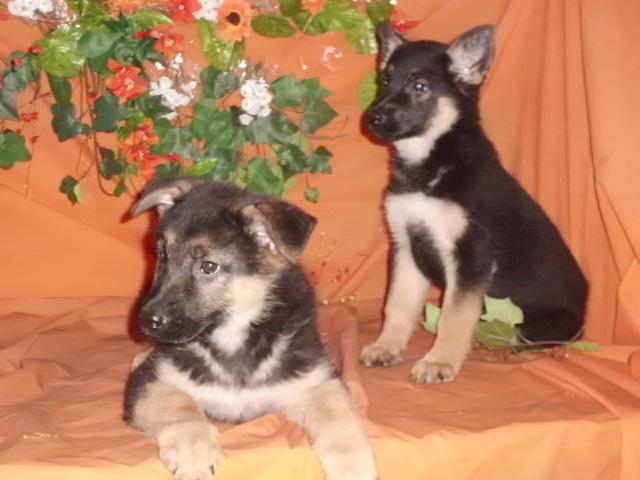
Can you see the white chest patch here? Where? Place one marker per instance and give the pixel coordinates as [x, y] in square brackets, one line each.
[241, 404]
[445, 221]
[415, 149]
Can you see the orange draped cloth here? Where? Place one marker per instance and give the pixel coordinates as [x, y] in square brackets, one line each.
[560, 104]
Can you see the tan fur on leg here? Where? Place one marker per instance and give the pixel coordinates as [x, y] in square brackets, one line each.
[402, 309]
[187, 441]
[328, 415]
[460, 314]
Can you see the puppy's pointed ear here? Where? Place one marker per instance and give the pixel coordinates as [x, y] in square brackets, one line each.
[389, 41]
[278, 227]
[163, 194]
[471, 54]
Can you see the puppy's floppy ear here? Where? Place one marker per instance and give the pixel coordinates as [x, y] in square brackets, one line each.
[163, 194]
[389, 40]
[471, 54]
[279, 227]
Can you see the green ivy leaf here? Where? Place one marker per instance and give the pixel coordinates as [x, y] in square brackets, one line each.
[61, 88]
[312, 194]
[272, 26]
[120, 189]
[288, 91]
[146, 51]
[169, 170]
[217, 83]
[216, 127]
[153, 107]
[368, 90]
[12, 149]
[99, 64]
[109, 113]
[503, 310]
[495, 335]
[276, 128]
[291, 159]
[71, 187]
[314, 91]
[201, 168]
[60, 55]
[585, 346]
[379, 11]
[289, 8]
[147, 18]
[222, 54]
[317, 113]
[432, 315]
[319, 161]
[263, 177]
[95, 44]
[93, 14]
[18, 79]
[361, 34]
[65, 122]
[174, 140]
[8, 105]
[110, 166]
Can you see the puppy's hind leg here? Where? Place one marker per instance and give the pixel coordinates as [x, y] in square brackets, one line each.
[328, 415]
[405, 301]
[187, 441]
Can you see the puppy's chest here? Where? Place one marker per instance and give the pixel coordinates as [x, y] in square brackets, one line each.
[414, 217]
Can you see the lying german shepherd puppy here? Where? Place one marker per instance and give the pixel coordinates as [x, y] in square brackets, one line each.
[232, 318]
[457, 218]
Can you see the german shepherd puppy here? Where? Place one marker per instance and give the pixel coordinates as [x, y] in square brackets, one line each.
[232, 318]
[457, 218]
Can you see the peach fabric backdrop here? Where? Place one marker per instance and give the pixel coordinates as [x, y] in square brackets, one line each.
[561, 106]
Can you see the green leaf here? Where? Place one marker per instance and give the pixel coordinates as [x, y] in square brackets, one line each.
[368, 90]
[289, 8]
[495, 335]
[147, 18]
[8, 105]
[60, 56]
[93, 14]
[146, 51]
[216, 127]
[221, 54]
[71, 187]
[314, 91]
[291, 159]
[120, 188]
[61, 88]
[379, 11]
[361, 33]
[312, 194]
[276, 128]
[263, 177]
[95, 44]
[503, 310]
[201, 168]
[585, 346]
[153, 107]
[288, 91]
[132, 124]
[217, 83]
[110, 166]
[432, 315]
[272, 26]
[169, 170]
[319, 161]
[12, 149]
[18, 79]
[174, 140]
[317, 113]
[99, 64]
[65, 122]
[300, 141]
[109, 113]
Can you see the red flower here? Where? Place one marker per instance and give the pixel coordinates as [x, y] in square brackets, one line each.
[34, 139]
[126, 83]
[29, 117]
[35, 50]
[143, 135]
[169, 44]
[403, 25]
[18, 62]
[184, 10]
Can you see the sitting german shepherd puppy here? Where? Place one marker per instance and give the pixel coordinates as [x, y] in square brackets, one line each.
[232, 317]
[457, 218]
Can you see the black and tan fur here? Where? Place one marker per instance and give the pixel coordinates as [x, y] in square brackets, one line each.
[232, 318]
[457, 218]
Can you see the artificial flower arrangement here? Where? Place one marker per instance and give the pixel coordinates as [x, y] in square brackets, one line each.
[116, 67]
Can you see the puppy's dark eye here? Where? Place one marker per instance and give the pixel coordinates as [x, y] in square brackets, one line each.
[420, 87]
[209, 268]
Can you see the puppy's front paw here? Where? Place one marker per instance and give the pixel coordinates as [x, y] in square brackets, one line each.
[424, 371]
[380, 356]
[190, 450]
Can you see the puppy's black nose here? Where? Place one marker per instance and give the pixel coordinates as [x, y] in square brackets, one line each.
[375, 118]
[158, 320]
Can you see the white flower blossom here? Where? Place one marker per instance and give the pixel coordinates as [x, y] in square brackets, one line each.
[256, 99]
[209, 10]
[29, 8]
[171, 97]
